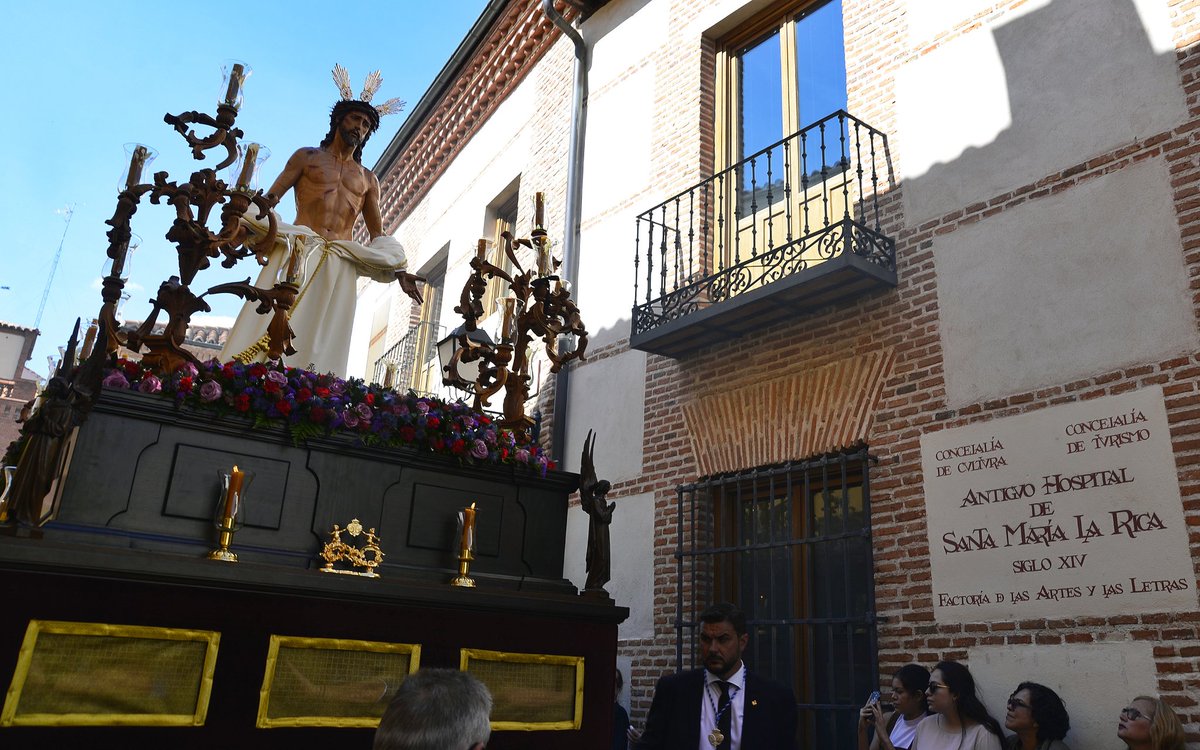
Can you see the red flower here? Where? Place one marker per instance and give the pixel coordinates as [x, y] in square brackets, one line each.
[317, 415]
[407, 434]
[270, 386]
[370, 399]
[485, 420]
[322, 392]
[185, 384]
[284, 407]
[257, 370]
[432, 422]
[551, 465]
[439, 444]
[241, 402]
[458, 447]
[503, 453]
[227, 369]
[303, 395]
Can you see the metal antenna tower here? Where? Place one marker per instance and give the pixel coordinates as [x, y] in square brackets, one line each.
[67, 212]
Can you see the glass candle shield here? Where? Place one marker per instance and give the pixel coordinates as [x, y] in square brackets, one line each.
[6, 479]
[229, 513]
[121, 270]
[138, 158]
[243, 174]
[233, 79]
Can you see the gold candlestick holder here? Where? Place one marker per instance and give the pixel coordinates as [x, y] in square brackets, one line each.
[464, 564]
[230, 511]
[223, 552]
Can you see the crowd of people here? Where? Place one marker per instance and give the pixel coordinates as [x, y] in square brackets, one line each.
[942, 711]
[728, 707]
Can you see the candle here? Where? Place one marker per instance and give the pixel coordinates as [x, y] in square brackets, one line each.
[243, 180]
[233, 494]
[468, 532]
[543, 256]
[481, 249]
[88, 340]
[506, 325]
[235, 82]
[539, 210]
[136, 163]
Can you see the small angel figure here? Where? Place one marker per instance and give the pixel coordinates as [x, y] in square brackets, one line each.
[592, 494]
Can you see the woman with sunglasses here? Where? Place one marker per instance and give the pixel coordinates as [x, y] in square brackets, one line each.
[894, 730]
[1149, 724]
[1039, 718]
[960, 722]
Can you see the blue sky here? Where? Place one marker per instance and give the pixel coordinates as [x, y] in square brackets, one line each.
[85, 78]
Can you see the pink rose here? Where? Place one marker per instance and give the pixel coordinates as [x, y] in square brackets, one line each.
[210, 390]
[479, 449]
[150, 384]
[115, 380]
[275, 376]
[364, 411]
[350, 418]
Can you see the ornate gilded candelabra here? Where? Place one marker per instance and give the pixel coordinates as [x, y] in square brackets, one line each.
[538, 305]
[196, 244]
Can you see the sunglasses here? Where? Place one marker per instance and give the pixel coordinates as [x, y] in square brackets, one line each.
[1014, 704]
[1131, 713]
[935, 686]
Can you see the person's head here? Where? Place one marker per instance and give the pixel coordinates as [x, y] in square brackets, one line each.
[1038, 709]
[908, 689]
[951, 692]
[620, 683]
[356, 121]
[436, 709]
[1149, 723]
[723, 638]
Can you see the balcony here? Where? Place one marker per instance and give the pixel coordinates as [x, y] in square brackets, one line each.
[412, 361]
[791, 229]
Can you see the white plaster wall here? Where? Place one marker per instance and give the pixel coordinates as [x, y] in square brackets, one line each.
[632, 557]
[1038, 89]
[1064, 287]
[10, 352]
[608, 396]
[453, 211]
[1095, 681]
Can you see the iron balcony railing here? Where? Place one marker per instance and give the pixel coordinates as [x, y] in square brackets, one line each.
[803, 200]
[406, 365]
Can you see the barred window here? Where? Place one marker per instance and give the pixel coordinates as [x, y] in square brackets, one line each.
[790, 545]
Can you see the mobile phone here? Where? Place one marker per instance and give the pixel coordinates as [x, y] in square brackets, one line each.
[873, 698]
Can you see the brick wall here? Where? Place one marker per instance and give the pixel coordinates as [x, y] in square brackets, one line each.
[905, 320]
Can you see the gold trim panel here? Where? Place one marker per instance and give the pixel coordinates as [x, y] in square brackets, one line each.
[98, 674]
[338, 683]
[515, 694]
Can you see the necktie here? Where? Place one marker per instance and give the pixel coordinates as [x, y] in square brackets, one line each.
[725, 711]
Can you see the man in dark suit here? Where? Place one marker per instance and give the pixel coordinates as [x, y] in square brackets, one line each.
[723, 706]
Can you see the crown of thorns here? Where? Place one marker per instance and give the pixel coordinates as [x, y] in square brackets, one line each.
[370, 86]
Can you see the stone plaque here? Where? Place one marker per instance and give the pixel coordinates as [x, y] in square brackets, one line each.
[1069, 510]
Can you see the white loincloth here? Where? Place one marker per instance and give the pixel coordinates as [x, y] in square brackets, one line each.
[323, 315]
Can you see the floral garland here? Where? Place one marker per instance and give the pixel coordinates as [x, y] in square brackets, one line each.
[312, 404]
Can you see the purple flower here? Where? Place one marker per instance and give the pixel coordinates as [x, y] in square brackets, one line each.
[364, 412]
[521, 455]
[423, 406]
[337, 387]
[189, 370]
[210, 390]
[150, 384]
[115, 380]
[350, 418]
[490, 437]
[275, 376]
[479, 449]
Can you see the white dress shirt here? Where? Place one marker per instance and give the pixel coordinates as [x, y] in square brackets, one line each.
[710, 704]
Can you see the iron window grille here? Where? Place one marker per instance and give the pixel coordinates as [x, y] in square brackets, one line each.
[791, 546]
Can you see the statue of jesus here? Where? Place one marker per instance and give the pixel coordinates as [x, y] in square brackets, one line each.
[332, 189]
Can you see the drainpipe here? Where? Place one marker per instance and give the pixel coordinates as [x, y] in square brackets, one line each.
[574, 203]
